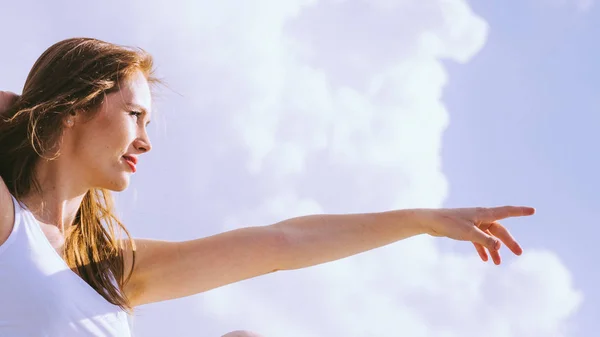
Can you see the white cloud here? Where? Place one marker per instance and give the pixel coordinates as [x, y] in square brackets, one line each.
[339, 109]
[295, 107]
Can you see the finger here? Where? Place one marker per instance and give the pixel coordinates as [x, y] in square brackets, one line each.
[499, 213]
[478, 236]
[499, 231]
[496, 257]
[481, 251]
[495, 254]
[7, 98]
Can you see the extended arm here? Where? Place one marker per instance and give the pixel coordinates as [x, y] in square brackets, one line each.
[317, 239]
[167, 270]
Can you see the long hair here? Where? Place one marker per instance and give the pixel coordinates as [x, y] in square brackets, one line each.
[73, 77]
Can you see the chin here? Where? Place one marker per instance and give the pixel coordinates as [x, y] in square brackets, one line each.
[118, 184]
[119, 188]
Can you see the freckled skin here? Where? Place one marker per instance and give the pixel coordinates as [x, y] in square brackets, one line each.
[95, 146]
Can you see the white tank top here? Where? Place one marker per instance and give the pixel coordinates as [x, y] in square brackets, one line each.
[40, 296]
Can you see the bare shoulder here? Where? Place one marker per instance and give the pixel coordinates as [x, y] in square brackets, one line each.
[166, 270]
[7, 214]
[130, 260]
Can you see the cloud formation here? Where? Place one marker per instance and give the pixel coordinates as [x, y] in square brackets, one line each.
[282, 108]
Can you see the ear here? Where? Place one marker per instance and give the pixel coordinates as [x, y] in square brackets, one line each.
[70, 120]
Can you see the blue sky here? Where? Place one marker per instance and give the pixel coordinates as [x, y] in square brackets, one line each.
[281, 108]
[525, 126]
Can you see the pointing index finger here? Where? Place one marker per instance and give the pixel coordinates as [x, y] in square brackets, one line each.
[499, 213]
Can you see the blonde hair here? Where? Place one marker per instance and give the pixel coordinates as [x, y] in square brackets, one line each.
[73, 77]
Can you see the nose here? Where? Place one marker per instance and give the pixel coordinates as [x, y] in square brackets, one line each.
[143, 144]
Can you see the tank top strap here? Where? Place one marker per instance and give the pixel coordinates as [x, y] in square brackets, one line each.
[18, 219]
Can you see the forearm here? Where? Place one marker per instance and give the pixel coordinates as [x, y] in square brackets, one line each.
[316, 239]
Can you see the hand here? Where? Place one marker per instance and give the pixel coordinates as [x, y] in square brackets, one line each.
[478, 225]
[7, 99]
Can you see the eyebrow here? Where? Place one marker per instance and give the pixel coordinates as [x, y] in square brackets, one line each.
[138, 107]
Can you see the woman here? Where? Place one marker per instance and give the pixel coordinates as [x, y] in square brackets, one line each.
[75, 134]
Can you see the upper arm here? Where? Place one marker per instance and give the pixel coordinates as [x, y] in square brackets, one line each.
[7, 214]
[167, 270]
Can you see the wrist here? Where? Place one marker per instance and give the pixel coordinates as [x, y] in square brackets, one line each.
[413, 220]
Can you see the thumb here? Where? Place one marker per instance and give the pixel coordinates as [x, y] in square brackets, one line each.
[484, 239]
[7, 99]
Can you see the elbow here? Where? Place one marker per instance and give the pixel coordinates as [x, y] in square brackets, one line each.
[280, 242]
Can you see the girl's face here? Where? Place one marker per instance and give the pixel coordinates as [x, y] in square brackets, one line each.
[105, 149]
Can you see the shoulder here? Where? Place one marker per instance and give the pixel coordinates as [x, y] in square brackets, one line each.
[131, 288]
[7, 214]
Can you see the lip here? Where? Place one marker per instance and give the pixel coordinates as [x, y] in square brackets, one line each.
[131, 161]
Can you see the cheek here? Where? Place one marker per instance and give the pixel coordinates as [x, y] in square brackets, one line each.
[115, 131]
[104, 138]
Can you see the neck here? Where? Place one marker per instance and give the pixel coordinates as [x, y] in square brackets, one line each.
[59, 198]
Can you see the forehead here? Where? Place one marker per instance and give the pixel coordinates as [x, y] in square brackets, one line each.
[134, 91]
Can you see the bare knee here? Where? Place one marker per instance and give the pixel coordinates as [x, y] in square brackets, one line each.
[242, 333]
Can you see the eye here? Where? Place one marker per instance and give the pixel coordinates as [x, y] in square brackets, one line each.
[137, 114]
